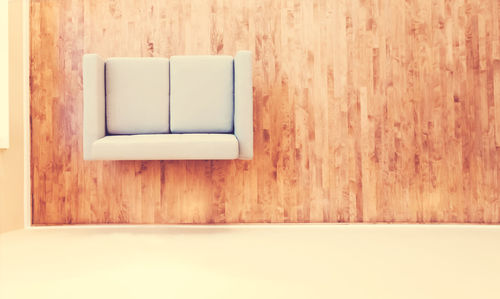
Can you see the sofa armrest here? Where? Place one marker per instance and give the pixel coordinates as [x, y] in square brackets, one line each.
[94, 126]
[243, 104]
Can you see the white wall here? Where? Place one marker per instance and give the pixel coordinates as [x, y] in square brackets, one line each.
[12, 165]
[4, 75]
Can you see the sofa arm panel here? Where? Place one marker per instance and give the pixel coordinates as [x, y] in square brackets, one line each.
[94, 125]
[243, 104]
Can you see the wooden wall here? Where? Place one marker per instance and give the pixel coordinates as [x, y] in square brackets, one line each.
[365, 111]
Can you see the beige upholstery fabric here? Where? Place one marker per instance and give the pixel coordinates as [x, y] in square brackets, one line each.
[94, 126]
[243, 103]
[137, 91]
[201, 94]
[167, 147]
[98, 146]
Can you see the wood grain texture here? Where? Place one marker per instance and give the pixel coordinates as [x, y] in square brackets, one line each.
[364, 111]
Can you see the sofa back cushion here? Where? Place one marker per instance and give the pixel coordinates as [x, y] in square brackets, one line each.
[137, 95]
[201, 94]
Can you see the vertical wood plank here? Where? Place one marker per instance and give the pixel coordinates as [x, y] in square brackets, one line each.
[364, 111]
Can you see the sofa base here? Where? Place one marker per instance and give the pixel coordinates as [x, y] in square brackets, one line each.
[166, 147]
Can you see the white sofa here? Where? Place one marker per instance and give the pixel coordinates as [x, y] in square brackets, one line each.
[182, 108]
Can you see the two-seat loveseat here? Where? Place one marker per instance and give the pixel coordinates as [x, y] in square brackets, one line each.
[182, 108]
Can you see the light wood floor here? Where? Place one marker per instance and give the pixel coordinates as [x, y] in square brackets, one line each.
[365, 111]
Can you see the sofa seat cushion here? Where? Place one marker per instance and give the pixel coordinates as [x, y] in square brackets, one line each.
[137, 95]
[201, 94]
[166, 147]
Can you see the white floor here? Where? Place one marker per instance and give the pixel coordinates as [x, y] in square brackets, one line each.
[257, 261]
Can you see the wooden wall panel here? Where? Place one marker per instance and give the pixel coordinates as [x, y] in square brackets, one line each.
[365, 111]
